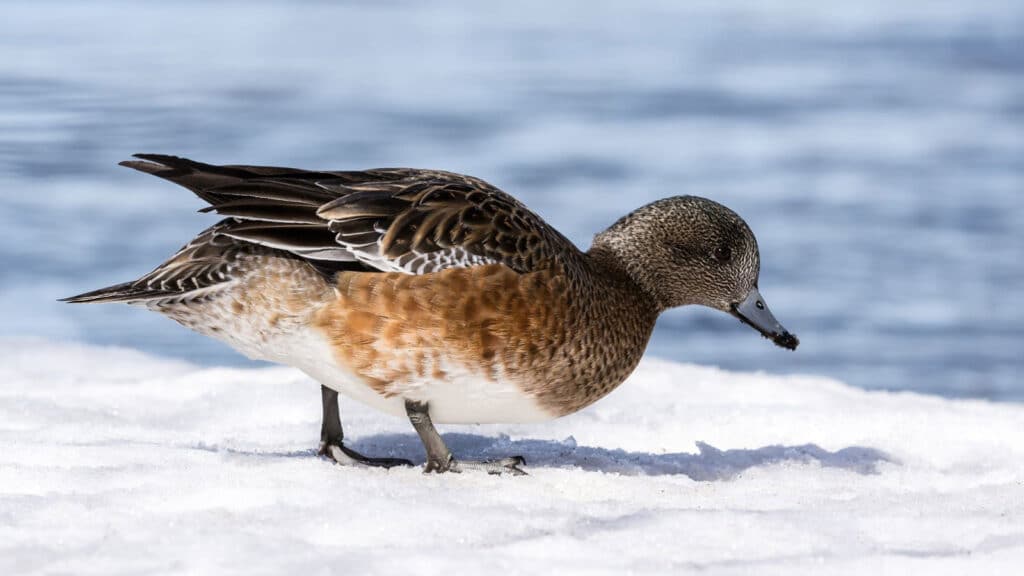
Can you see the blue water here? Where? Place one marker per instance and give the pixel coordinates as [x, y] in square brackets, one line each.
[875, 148]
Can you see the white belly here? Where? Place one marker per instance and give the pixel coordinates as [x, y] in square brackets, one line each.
[461, 398]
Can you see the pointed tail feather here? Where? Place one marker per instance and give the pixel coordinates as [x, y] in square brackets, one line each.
[196, 176]
[124, 292]
[231, 185]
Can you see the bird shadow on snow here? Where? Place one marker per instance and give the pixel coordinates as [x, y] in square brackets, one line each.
[708, 464]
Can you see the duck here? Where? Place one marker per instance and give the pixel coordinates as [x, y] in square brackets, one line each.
[435, 296]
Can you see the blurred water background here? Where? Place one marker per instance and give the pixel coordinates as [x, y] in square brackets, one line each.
[876, 148]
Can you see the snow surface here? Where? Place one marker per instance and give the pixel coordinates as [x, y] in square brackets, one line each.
[114, 462]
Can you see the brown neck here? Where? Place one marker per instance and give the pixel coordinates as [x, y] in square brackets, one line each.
[622, 314]
[610, 320]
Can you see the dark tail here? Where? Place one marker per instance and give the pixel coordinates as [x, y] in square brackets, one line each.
[265, 205]
[231, 184]
[196, 176]
[124, 292]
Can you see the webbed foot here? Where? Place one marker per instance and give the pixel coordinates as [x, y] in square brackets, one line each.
[510, 465]
[346, 456]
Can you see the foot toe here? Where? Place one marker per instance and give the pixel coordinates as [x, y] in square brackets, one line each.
[511, 466]
[503, 466]
[440, 465]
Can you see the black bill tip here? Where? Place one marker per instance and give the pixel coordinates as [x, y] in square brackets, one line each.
[786, 340]
[753, 312]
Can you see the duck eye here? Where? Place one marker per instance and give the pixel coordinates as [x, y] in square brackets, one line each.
[723, 253]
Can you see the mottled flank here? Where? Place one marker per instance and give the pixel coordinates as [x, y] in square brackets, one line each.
[548, 335]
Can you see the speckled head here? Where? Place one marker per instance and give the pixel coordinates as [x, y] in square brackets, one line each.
[691, 250]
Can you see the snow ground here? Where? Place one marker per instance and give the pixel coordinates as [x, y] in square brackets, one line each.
[114, 462]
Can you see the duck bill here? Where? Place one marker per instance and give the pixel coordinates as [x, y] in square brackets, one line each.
[753, 312]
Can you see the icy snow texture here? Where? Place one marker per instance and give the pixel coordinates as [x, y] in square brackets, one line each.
[114, 462]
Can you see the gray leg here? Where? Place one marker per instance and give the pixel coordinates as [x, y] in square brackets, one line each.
[440, 459]
[330, 427]
[332, 438]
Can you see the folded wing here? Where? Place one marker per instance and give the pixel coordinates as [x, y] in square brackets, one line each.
[390, 219]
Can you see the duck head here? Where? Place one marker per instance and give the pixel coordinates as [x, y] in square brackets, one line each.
[691, 250]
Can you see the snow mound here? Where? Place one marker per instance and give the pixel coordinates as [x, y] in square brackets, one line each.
[115, 462]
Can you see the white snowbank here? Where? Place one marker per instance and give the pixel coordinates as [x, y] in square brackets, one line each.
[113, 462]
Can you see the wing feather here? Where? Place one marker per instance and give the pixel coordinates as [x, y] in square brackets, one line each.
[389, 219]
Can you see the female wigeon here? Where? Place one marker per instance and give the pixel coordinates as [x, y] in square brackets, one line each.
[436, 295]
